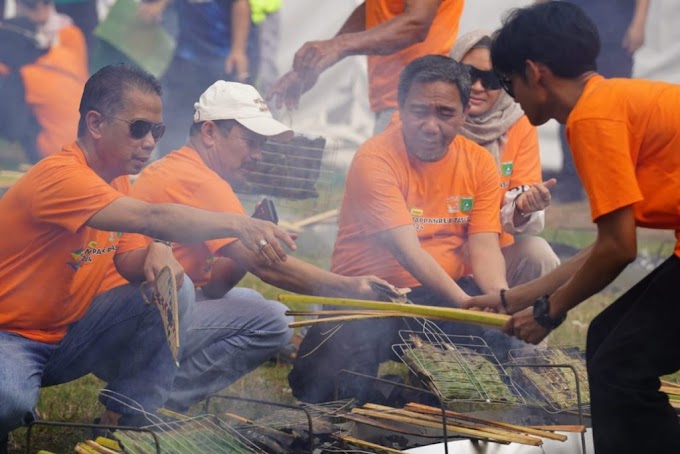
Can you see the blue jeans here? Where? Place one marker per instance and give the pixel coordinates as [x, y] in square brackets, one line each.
[120, 339]
[227, 338]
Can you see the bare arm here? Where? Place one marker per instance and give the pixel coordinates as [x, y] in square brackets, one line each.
[224, 276]
[237, 61]
[301, 277]
[143, 264]
[488, 264]
[404, 244]
[183, 224]
[635, 35]
[356, 22]
[614, 248]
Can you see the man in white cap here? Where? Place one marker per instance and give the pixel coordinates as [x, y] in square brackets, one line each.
[233, 330]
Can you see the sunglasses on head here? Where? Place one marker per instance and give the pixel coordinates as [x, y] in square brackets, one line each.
[140, 128]
[488, 79]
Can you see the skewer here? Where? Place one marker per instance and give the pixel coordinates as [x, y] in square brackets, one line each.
[461, 315]
[366, 444]
[345, 318]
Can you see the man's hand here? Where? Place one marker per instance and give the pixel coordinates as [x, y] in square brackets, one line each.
[365, 288]
[263, 238]
[159, 256]
[489, 303]
[290, 87]
[316, 56]
[523, 326]
[537, 198]
[237, 64]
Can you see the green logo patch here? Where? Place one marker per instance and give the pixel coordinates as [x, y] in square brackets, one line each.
[466, 204]
[506, 168]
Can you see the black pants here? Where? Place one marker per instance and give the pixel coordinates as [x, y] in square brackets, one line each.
[630, 345]
[362, 345]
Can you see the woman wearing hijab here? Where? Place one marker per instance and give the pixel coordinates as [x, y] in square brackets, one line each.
[498, 124]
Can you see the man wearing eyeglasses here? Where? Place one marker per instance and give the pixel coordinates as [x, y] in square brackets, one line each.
[624, 139]
[60, 233]
[419, 197]
[233, 330]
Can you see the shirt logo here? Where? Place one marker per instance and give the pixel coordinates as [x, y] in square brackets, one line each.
[416, 212]
[506, 168]
[453, 204]
[466, 204]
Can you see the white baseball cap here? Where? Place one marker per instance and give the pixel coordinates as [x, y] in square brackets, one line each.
[235, 101]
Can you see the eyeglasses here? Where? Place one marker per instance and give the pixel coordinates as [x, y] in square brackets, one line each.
[506, 84]
[140, 128]
[488, 79]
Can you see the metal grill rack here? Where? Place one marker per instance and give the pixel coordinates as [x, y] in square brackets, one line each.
[556, 385]
[200, 434]
[457, 368]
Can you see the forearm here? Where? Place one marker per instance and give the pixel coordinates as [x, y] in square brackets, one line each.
[525, 295]
[240, 26]
[301, 277]
[432, 276]
[184, 224]
[488, 269]
[640, 14]
[130, 264]
[356, 22]
[224, 276]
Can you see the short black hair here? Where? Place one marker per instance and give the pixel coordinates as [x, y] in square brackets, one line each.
[558, 34]
[105, 90]
[435, 68]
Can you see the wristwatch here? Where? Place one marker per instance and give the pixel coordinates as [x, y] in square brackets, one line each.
[167, 243]
[542, 314]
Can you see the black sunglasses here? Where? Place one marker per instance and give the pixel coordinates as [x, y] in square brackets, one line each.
[488, 79]
[506, 84]
[140, 128]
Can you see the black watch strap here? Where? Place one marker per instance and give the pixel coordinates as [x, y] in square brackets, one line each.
[542, 314]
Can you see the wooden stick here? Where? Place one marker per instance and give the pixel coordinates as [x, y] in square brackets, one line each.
[316, 218]
[474, 433]
[342, 319]
[460, 416]
[99, 448]
[461, 315]
[525, 439]
[385, 426]
[562, 428]
[356, 441]
[256, 427]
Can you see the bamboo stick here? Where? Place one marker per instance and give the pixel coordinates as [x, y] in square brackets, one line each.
[460, 416]
[461, 315]
[264, 429]
[344, 318]
[474, 433]
[522, 438]
[383, 425]
[316, 218]
[366, 444]
[339, 312]
[562, 428]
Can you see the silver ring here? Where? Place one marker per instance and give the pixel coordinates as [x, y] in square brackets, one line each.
[263, 244]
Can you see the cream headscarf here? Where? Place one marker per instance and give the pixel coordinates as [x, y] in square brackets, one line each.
[489, 129]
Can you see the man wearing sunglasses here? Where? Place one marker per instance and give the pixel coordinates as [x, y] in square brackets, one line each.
[60, 233]
[624, 139]
[236, 328]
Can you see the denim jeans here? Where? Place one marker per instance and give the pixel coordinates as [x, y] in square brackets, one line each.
[227, 338]
[120, 339]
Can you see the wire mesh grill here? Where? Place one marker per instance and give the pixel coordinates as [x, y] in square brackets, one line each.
[457, 368]
[284, 418]
[200, 434]
[557, 386]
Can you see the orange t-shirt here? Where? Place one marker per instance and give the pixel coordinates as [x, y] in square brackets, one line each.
[625, 140]
[182, 177]
[445, 201]
[54, 85]
[51, 263]
[520, 163]
[383, 70]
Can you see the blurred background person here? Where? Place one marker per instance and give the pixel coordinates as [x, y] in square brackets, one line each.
[496, 122]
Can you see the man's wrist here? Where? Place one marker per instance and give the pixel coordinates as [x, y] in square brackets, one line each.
[542, 314]
[157, 241]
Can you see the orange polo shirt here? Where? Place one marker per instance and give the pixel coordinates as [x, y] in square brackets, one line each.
[625, 140]
[54, 85]
[383, 70]
[445, 201]
[182, 177]
[51, 263]
[520, 162]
